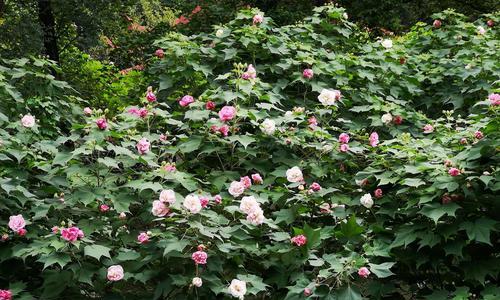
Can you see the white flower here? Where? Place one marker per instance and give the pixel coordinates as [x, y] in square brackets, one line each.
[386, 118]
[345, 16]
[238, 288]
[236, 188]
[256, 217]
[28, 121]
[219, 33]
[249, 204]
[197, 282]
[481, 30]
[329, 97]
[294, 174]
[268, 126]
[167, 196]
[387, 43]
[192, 203]
[366, 200]
[159, 209]
[288, 113]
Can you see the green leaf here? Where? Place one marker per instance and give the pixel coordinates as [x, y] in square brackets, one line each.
[413, 182]
[382, 270]
[349, 293]
[479, 230]
[197, 115]
[435, 211]
[108, 162]
[61, 259]
[351, 228]
[174, 244]
[62, 158]
[191, 145]
[245, 140]
[313, 236]
[96, 251]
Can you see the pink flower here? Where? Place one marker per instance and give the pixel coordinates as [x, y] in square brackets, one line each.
[159, 209]
[478, 135]
[5, 237]
[251, 73]
[150, 96]
[133, 111]
[104, 208]
[490, 23]
[378, 193]
[312, 122]
[102, 123]
[55, 230]
[344, 148]
[197, 282]
[143, 146]
[218, 199]
[186, 100]
[436, 24]
[374, 139]
[28, 121]
[454, 171]
[428, 128]
[257, 179]
[87, 111]
[245, 76]
[246, 182]
[204, 201]
[308, 73]
[122, 216]
[5, 295]
[143, 238]
[115, 273]
[159, 53]
[364, 272]
[224, 130]
[16, 223]
[143, 112]
[344, 138]
[448, 163]
[494, 99]
[227, 113]
[72, 234]
[398, 120]
[163, 137]
[199, 257]
[299, 240]
[236, 188]
[210, 105]
[22, 232]
[315, 187]
[170, 168]
[307, 292]
[257, 19]
[463, 141]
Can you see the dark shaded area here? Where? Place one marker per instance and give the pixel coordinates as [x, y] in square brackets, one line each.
[48, 24]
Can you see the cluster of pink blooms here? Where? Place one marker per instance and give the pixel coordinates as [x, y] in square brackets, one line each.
[364, 272]
[343, 140]
[200, 257]
[72, 234]
[224, 129]
[17, 224]
[494, 99]
[143, 146]
[299, 240]
[238, 187]
[138, 112]
[227, 113]
[186, 100]
[251, 73]
[5, 295]
[307, 73]
[251, 207]
[101, 123]
[161, 206]
[374, 139]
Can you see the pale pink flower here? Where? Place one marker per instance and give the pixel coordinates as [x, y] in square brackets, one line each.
[72, 234]
[102, 123]
[170, 168]
[143, 146]
[227, 113]
[478, 135]
[256, 217]
[294, 175]
[494, 99]
[218, 199]
[307, 292]
[364, 272]
[159, 209]
[28, 121]
[238, 288]
[247, 182]
[428, 128]
[236, 188]
[344, 138]
[251, 72]
[16, 223]
[167, 196]
[115, 273]
[299, 240]
[344, 148]
[5, 295]
[315, 187]
[197, 282]
[143, 238]
[199, 257]
[312, 122]
[378, 193]
[436, 24]
[463, 141]
[186, 100]
[374, 139]
[329, 97]
[87, 111]
[122, 216]
[257, 19]
[192, 203]
[454, 171]
[159, 53]
[55, 229]
[249, 204]
[257, 179]
[308, 73]
[163, 137]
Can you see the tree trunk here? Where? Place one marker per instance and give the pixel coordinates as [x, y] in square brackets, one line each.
[48, 24]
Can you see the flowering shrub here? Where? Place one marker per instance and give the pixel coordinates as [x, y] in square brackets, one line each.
[280, 183]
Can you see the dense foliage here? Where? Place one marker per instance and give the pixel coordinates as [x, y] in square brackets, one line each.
[265, 162]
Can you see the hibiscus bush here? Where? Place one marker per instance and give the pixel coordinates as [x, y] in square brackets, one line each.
[269, 163]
